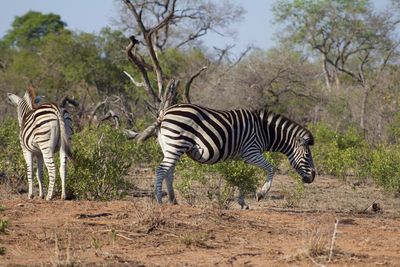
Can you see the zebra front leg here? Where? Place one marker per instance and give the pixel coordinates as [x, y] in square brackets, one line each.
[266, 187]
[39, 174]
[63, 172]
[29, 165]
[259, 160]
[170, 187]
[51, 169]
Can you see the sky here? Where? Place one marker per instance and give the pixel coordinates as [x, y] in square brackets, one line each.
[256, 29]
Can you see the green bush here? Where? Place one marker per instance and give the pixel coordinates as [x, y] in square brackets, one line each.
[339, 154]
[148, 152]
[385, 167]
[218, 179]
[12, 163]
[103, 157]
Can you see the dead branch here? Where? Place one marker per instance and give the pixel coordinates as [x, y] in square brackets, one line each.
[186, 96]
[141, 66]
[130, 134]
[144, 135]
[111, 115]
[147, 36]
[98, 106]
[169, 96]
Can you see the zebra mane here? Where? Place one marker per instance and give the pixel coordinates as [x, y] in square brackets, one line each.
[267, 115]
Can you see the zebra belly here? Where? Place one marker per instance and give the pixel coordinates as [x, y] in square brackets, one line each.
[202, 154]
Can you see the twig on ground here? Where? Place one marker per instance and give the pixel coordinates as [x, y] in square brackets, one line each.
[314, 261]
[83, 216]
[373, 202]
[234, 257]
[118, 233]
[333, 239]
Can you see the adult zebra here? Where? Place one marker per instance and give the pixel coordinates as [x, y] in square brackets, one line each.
[211, 136]
[44, 130]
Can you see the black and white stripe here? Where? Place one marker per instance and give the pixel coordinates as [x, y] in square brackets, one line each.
[44, 130]
[211, 136]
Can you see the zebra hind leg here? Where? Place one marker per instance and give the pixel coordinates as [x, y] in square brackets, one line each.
[39, 175]
[170, 187]
[161, 172]
[51, 169]
[63, 172]
[29, 164]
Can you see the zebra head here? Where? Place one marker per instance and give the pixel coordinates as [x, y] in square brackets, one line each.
[301, 159]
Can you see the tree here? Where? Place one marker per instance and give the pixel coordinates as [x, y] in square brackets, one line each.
[154, 23]
[178, 23]
[353, 39]
[31, 27]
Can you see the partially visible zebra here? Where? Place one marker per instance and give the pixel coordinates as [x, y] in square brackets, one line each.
[211, 136]
[44, 130]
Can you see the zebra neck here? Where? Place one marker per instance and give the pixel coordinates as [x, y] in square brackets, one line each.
[23, 109]
[280, 133]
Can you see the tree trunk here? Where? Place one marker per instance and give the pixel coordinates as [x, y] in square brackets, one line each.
[326, 74]
[364, 104]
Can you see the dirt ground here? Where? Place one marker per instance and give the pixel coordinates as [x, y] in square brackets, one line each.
[274, 232]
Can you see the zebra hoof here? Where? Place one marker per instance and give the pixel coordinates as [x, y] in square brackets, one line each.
[260, 196]
[173, 202]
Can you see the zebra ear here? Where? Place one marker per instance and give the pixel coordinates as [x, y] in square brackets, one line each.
[14, 99]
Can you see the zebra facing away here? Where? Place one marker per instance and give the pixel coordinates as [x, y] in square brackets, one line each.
[44, 130]
[211, 136]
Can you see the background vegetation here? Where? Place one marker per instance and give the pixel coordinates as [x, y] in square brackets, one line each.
[336, 70]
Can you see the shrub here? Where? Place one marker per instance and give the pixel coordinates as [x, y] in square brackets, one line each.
[148, 152]
[339, 154]
[103, 157]
[3, 226]
[12, 163]
[218, 179]
[385, 168]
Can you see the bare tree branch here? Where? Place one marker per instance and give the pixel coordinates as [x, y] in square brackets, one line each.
[186, 96]
[142, 69]
[97, 107]
[111, 115]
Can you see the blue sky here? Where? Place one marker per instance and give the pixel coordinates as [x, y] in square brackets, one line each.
[91, 15]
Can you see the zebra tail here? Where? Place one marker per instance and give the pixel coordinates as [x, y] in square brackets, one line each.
[65, 134]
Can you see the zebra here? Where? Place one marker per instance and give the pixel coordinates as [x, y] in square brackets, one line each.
[44, 130]
[210, 136]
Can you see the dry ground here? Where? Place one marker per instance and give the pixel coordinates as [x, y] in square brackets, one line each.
[137, 232]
